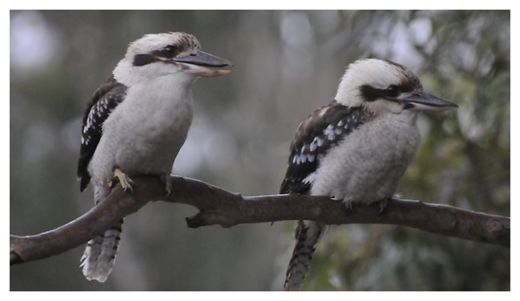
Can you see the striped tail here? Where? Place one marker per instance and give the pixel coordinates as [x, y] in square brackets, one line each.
[100, 254]
[307, 235]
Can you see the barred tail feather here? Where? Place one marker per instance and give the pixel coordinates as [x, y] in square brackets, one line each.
[307, 235]
[100, 254]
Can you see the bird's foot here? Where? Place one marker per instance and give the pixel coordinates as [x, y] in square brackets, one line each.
[168, 184]
[383, 204]
[347, 203]
[124, 180]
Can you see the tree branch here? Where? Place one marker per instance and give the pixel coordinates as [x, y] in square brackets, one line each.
[217, 206]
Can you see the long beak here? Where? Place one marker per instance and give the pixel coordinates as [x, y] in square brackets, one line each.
[204, 64]
[422, 101]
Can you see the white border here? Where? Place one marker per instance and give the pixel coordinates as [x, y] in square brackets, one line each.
[224, 4]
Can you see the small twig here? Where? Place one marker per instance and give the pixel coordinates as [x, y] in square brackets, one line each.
[218, 206]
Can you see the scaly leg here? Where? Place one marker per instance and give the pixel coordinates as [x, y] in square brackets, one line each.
[168, 184]
[124, 180]
[348, 205]
[383, 204]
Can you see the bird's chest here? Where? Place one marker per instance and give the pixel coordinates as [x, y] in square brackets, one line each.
[367, 164]
[147, 130]
[162, 122]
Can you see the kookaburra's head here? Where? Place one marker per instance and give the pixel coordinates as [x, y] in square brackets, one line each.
[167, 54]
[386, 87]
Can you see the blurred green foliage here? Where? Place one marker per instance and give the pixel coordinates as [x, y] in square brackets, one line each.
[286, 63]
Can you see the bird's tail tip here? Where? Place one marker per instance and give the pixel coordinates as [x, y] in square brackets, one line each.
[99, 274]
[99, 257]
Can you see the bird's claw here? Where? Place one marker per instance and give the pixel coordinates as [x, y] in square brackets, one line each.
[124, 180]
[348, 205]
[383, 204]
[168, 186]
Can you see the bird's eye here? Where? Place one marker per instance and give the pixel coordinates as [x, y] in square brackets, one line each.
[170, 49]
[392, 91]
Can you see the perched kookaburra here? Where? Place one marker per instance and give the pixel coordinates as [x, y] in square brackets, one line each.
[356, 148]
[136, 123]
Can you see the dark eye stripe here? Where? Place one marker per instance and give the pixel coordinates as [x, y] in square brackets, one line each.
[168, 52]
[143, 59]
[370, 93]
[392, 91]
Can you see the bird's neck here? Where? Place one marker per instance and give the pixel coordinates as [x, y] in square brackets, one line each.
[129, 75]
[165, 91]
[405, 116]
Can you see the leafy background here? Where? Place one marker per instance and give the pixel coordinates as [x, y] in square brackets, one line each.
[286, 63]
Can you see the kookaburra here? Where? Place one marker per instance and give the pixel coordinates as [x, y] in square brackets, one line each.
[136, 123]
[356, 148]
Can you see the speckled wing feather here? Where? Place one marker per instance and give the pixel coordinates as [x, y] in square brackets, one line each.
[323, 128]
[103, 102]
